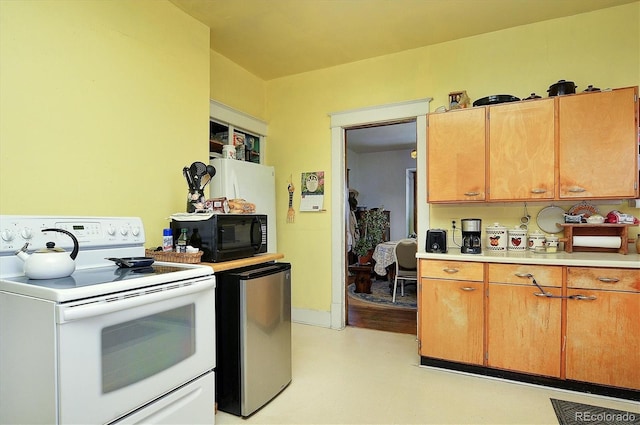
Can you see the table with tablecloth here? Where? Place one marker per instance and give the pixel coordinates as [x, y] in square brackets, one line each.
[384, 255]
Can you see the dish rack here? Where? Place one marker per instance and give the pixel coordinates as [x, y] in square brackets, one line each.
[174, 257]
[604, 229]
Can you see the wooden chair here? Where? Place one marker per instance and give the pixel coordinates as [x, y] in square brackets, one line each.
[406, 265]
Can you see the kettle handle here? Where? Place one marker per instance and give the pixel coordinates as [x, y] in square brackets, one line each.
[76, 246]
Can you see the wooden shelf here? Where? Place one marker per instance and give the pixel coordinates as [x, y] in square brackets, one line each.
[215, 146]
[604, 229]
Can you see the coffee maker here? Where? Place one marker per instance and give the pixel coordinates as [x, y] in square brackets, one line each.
[471, 236]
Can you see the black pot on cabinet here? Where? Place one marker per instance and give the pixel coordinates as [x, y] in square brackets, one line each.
[562, 87]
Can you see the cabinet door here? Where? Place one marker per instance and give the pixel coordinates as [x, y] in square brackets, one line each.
[456, 156]
[521, 151]
[598, 144]
[524, 329]
[451, 320]
[603, 336]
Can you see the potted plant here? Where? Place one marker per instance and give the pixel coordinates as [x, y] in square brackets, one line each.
[372, 227]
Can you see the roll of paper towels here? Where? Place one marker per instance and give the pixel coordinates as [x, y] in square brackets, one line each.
[598, 241]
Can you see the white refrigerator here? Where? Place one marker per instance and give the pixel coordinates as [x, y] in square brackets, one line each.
[252, 182]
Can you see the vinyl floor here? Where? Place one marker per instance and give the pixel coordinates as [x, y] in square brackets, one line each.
[366, 376]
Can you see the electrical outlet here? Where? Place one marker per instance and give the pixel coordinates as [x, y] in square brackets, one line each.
[454, 223]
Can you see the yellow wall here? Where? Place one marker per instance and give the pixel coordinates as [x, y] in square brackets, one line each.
[236, 87]
[600, 48]
[102, 104]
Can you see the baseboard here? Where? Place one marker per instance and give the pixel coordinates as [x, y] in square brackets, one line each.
[311, 317]
[566, 384]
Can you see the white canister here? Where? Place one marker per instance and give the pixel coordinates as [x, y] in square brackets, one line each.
[551, 243]
[229, 152]
[517, 239]
[536, 241]
[496, 237]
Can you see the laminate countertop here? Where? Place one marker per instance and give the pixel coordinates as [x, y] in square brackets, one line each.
[242, 262]
[560, 258]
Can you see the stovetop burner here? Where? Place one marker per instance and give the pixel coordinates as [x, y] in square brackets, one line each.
[98, 276]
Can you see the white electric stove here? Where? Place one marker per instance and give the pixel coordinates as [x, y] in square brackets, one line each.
[105, 344]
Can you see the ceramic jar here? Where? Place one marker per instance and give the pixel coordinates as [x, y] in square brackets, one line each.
[517, 239]
[551, 243]
[536, 241]
[496, 237]
[229, 152]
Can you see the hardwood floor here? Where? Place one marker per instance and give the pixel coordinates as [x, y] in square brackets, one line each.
[372, 316]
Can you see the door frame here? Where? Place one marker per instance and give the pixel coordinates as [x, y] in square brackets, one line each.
[340, 121]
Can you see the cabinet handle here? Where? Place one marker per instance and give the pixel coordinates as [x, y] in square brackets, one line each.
[584, 297]
[468, 288]
[471, 193]
[449, 270]
[526, 275]
[538, 190]
[576, 189]
[543, 294]
[609, 279]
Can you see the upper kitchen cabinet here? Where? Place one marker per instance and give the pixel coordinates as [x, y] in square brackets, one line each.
[598, 144]
[521, 151]
[456, 156]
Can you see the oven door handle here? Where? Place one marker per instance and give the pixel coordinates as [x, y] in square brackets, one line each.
[115, 303]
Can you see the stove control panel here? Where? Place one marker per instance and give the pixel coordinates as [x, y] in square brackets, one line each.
[91, 232]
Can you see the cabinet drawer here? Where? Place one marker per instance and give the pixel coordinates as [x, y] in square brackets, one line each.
[517, 274]
[452, 270]
[604, 278]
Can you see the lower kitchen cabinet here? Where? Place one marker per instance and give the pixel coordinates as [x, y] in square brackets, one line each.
[524, 325]
[452, 305]
[603, 326]
[524, 329]
[579, 330]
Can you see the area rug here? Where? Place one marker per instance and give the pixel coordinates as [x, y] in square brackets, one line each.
[570, 413]
[381, 295]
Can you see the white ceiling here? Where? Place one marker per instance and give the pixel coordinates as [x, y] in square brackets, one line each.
[400, 136]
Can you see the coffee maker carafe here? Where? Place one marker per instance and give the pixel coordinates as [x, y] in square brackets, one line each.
[471, 236]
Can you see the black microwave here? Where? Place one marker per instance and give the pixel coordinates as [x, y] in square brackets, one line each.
[225, 237]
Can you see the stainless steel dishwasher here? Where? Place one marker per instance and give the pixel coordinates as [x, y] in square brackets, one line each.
[253, 336]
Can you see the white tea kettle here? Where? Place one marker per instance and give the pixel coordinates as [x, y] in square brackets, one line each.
[49, 262]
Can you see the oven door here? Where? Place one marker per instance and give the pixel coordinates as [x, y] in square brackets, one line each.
[121, 351]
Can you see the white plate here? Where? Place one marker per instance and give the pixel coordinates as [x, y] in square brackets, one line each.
[549, 217]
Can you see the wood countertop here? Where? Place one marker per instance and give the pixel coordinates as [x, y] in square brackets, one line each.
[234, 264]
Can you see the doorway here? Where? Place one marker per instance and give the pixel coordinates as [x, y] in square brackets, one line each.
[381, 174]
[340, 121]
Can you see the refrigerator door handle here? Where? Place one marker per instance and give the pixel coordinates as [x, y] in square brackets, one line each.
[235, 186]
